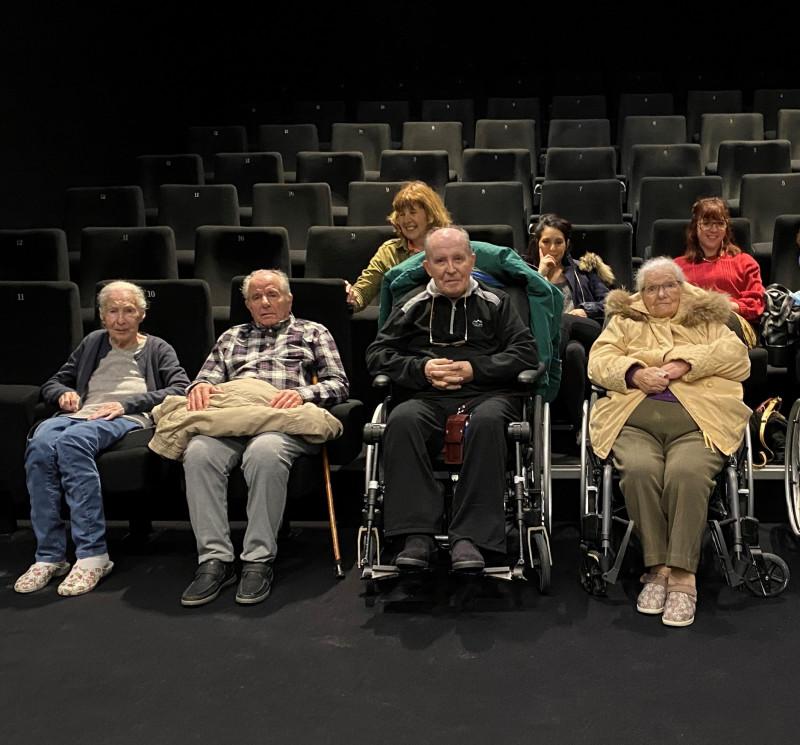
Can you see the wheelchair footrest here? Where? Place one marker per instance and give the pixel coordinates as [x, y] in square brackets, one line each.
[380, 571]
[503, 573]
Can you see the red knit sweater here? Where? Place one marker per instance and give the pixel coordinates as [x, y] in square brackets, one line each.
[738, 276]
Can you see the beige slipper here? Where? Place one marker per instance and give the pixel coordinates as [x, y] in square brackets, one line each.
[680, 607]
[653, 595]
[39, 575]
[84, 579]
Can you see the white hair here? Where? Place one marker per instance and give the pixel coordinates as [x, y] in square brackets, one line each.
[121, 285]
[658, 262]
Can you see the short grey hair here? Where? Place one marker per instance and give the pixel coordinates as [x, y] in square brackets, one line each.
[283, 280]
[117, 285]
[658, 262]
[458, 229]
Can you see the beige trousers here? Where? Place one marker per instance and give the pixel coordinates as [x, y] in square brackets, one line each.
[667, 475]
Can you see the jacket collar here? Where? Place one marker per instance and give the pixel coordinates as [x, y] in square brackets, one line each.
[696, 307]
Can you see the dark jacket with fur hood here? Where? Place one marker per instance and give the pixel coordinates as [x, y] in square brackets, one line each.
[711, 390]
[589, 279]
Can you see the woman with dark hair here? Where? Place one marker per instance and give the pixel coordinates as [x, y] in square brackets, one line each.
[713, 261]
[584, 284]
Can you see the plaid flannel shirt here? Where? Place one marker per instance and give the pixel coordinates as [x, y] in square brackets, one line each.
[287, 355]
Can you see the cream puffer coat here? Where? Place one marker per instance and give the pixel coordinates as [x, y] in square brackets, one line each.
[711, 391]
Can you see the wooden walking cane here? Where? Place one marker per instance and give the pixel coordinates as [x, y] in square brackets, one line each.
[337, 556]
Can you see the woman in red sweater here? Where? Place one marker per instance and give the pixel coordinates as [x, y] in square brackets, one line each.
[714, 262]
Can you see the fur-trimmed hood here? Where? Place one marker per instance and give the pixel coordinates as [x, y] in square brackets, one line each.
[591, 262]
[697, 306]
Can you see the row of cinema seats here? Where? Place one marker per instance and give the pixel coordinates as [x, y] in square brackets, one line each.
[461, 141]
[763, 199]
[324, 115]
[43, 320]
[582, 183]
[103, 234]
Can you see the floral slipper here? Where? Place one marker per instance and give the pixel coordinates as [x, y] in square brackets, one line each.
[680, 606]
[653, 595]
[39, 575]
[83, 579]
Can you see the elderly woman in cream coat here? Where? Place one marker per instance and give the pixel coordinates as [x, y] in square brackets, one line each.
[674, 411]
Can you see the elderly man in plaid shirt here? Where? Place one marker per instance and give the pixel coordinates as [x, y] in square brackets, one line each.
[299, 358]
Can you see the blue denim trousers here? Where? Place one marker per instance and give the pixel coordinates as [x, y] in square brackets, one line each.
[59, 463]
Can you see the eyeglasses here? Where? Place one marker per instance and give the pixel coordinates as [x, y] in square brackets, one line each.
[458, 343]
[668, 287]
[705, 225]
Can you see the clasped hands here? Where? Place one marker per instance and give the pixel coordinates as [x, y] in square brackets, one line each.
[448, 375]
[199, 398]
[656, 379]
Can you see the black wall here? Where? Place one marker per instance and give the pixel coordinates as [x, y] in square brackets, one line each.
[83, 91]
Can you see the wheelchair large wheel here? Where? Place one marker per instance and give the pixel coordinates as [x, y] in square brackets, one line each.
[792, 469]
[541, 561]
[767, 576]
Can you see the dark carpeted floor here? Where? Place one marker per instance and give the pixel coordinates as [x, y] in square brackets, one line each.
[451, 661]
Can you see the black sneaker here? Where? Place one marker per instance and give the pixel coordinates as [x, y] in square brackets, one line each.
[255, 583]
[210, 578]
[417, 552]
[465, 557]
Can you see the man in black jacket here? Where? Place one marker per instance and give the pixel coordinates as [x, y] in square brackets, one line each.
[457, 344]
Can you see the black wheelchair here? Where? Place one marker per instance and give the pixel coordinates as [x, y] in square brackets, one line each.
[527, 498]
[607, 535]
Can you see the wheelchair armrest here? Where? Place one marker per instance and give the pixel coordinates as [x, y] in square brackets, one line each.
[381, 381]
[528, 378]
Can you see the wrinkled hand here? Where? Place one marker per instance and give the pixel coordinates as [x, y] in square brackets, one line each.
[69, 401]
[199, 397]
[650, 379]
[578, 312]
[287, 399]
[108, 411]
[676, 369]
[446, 374]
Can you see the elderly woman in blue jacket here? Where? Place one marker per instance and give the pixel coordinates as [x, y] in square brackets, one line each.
[106, 388]
[584, 284]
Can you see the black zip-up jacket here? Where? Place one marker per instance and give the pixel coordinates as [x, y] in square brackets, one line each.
[482, 327]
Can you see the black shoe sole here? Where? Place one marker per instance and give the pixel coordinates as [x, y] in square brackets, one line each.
[247, 600]
[412, 565]
[208, 598]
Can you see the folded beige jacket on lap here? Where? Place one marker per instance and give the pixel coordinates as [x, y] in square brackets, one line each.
[241, 410]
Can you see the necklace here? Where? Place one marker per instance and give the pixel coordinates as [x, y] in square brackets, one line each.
[711, 261]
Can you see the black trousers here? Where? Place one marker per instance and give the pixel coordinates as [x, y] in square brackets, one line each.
[414, 499]
[577, 336]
